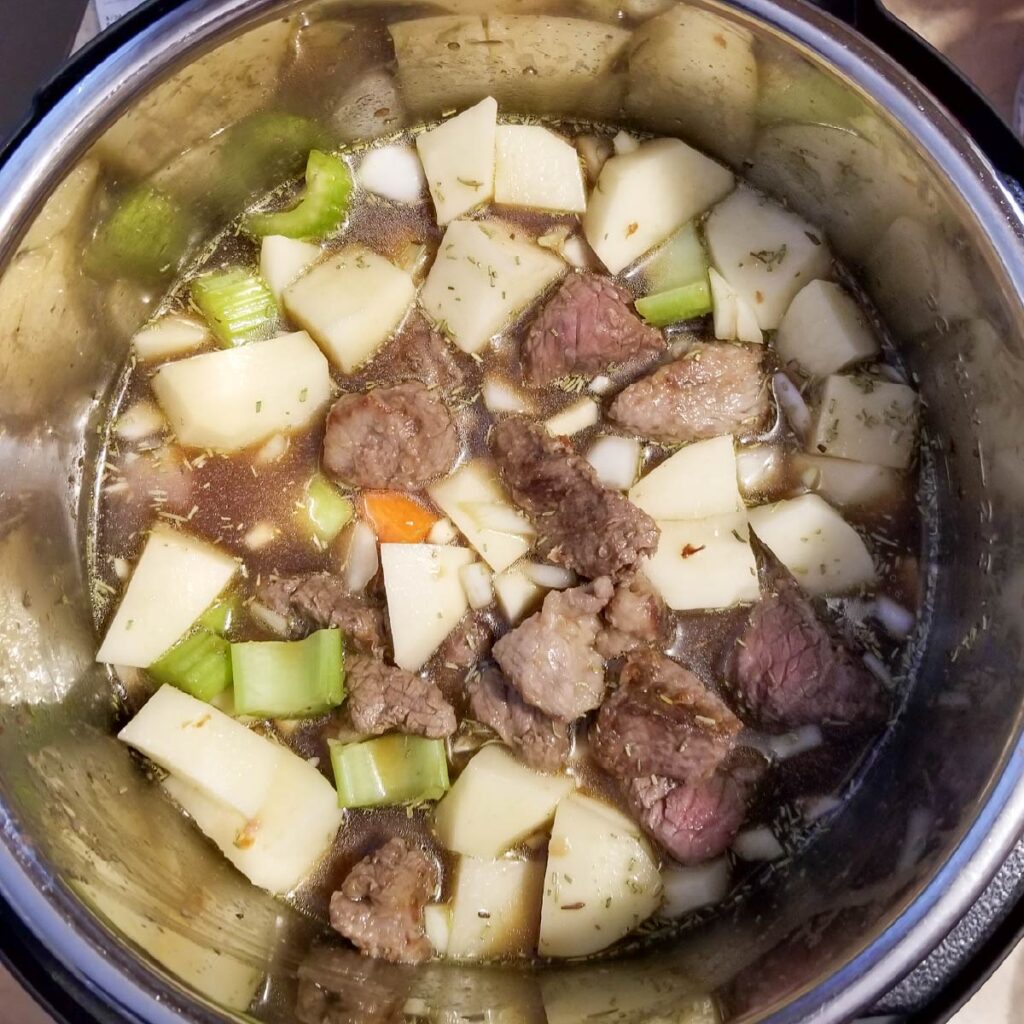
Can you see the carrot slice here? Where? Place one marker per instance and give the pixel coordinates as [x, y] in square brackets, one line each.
[398, 519]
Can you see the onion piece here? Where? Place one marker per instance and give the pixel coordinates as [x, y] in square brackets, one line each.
[500, 396]
[757, 468]
[394, 172]
[595, 150]
[897, 621]
[260, 535]
[573, 418]
[139, 421]
[689, 888]
[625, 143]
[783, 746]
[276, 623]
[492, 515]
[551, 577]
[274, 449]
[476, 581]
[792, 404]
[443, 532]
[758, 844]
[577, 253]
[814, 807]
[616, 460]
[362, 562]
[600, 385]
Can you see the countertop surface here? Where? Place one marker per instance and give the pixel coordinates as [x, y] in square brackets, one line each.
[986, 39]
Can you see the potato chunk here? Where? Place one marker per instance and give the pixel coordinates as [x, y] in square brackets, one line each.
[538, 169]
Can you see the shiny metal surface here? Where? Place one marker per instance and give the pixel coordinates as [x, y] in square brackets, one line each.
[813, 114]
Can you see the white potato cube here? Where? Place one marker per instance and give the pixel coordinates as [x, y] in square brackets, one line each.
[642, 197]
[193, 740]
[235, 397]
[458, 160]
[538, 169]
[170, 336]
[425, 597]
[394, 172]
[616, 460]
[573, 418]
[704, 563]
[178, 577]
[765, 252]
[461, 495]
[518, 594]
[437, 923]
[848, 484]
[485, 274]
[734, 319]
[282, 843]
[495, 803]
[867, 420]
[602, 880]
[690, 888]
[283, 259]
[351, 304]
[824, 330]
[698, 481]
[495, 908]
[813, 541]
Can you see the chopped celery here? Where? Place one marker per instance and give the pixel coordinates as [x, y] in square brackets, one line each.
[325, 509]
[289, 678]
[394, 769]
[680, 261]
[220, 616]
[237, 305]
[200, 664]
[671, 307]
[144, 237]
[321, 209]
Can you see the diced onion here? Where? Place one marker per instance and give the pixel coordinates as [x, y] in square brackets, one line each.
[273, 450]
[815, 807]
[122, 568]
[616, 460]
[897, 621]
[625, 143]
[757, 467]
[689, 888]
[276, 623]
[259, 536]
[492, 515]
[573, 418]
[788, 744]
[555, 238]
[141, 420]
[595, 150]
[578, 254]
[394, 172]
[362, 562]
[877, 668]
[476, 581]
[792, 404]
[443, 532]
[758, 844]
[500, 396]
[600, 385]
[551, 577]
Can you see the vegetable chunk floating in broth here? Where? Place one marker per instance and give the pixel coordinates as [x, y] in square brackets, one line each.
[493, 511]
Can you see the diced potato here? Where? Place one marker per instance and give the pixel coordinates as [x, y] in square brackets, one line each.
[351, 304]
[824, 330]
[425, 597]
[203, 746]
[178, 577]
[538, 169]
[704, 563]
[689, 888]
[235, 397]
[765, 252]
[642, 197]
[279, 846]
[602, 879]
[867, 420]
[734, 318]
[437, 923]
[616, 460]
[458, 496]
[517, 594]
[495, 803]
[573, 418]
[484, 274]
[458, 160]
[170, 336]
[698, 481]
[813, 541]
[394, 172]
[846, 483]
[283, 259]
[140, 420]
[496, 908]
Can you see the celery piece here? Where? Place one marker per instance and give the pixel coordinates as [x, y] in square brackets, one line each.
[289, 678]
[200, 664]
[320, 210]
[671, 307]
[237, 305]
[143, 237]
[393, 769]
[220, 616]
[678, 262]
[325, 509]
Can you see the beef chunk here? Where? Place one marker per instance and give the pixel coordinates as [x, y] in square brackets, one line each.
[586, 326]
[402, 436]
[635, 616]
[581, 523]
[469, 642]
[662, 720]
[551, 659]
[420, 353]
[788, 670]
[542, 741]
[383, 697]
[320, 600]
[716, 388]
[380, 904]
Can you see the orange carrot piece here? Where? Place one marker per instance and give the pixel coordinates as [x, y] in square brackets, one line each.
[398, 519]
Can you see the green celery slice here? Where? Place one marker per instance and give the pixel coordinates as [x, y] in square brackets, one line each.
[671, 307]
[237, 305]
[393, 769]
[143, 238]
[221, 615]
[200, 664]
[326, 510]
[321, 209]
[678, 262]
[289, 678]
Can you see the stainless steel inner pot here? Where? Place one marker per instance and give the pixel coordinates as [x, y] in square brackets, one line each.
[108, 875]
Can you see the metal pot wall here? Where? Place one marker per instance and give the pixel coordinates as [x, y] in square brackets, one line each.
[136, 909]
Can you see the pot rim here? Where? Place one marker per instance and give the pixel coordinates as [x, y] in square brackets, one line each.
[95, 90]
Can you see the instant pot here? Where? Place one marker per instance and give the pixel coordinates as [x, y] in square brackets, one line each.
[116, 909]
